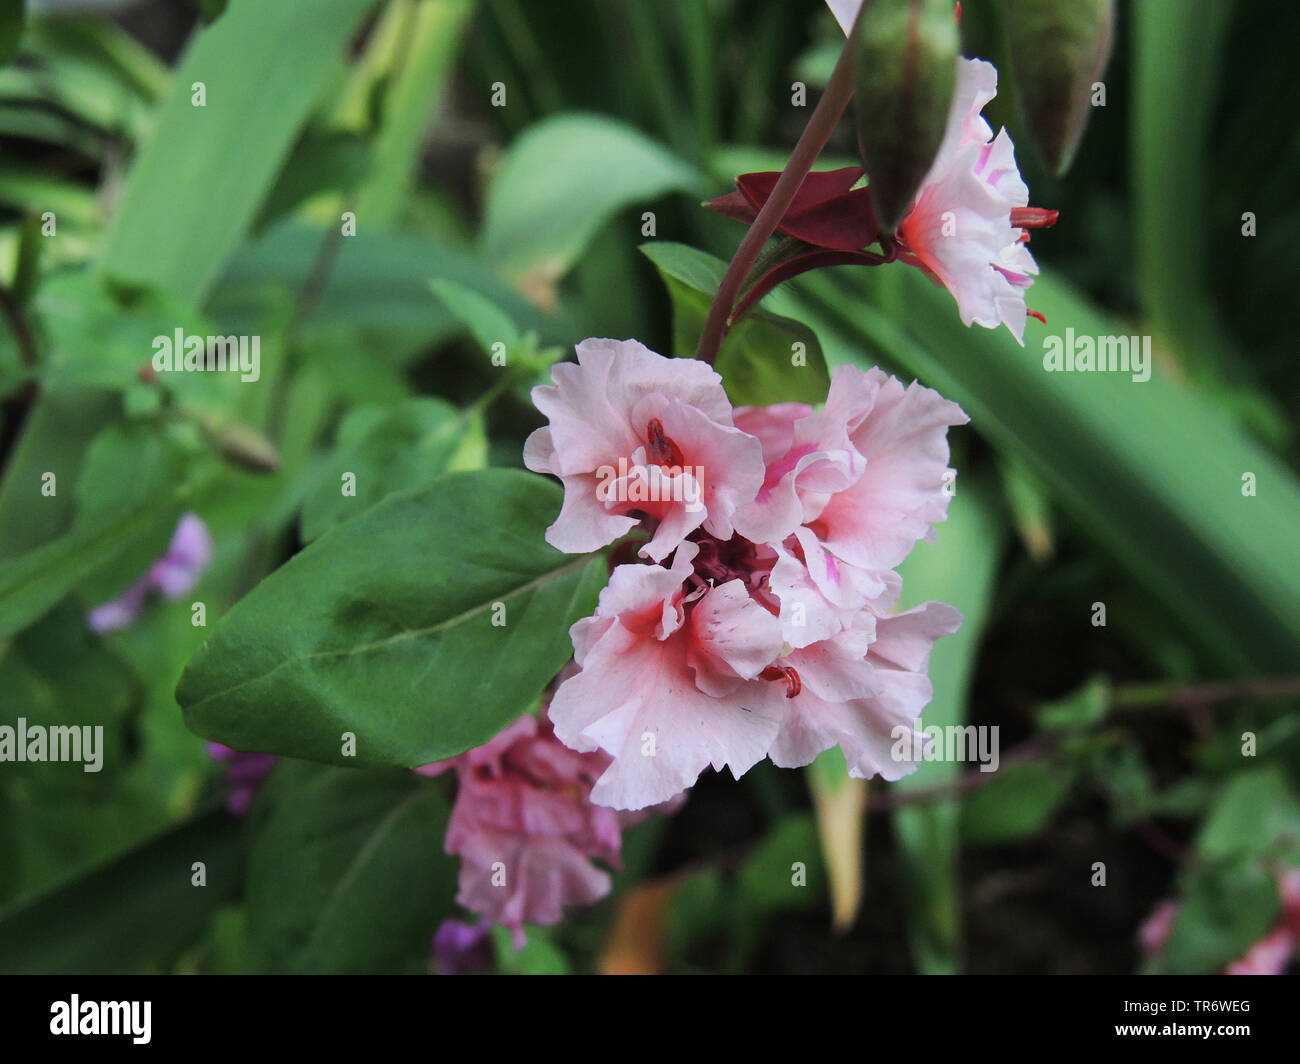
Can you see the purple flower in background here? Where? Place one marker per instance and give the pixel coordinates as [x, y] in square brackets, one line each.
[461, 949]
[244, 774]
[172, 575]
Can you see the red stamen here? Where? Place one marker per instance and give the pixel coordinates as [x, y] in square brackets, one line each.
[957, 17]
[783, 672]
[1033, 217]
[659, 448]
[1035, 314]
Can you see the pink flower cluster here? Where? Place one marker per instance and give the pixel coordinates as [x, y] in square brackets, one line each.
[761, 625]
[525, 829]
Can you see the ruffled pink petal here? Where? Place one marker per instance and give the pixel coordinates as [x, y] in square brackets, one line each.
[903, 435]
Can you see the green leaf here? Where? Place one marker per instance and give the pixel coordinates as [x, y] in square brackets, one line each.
[196, 188]
[958, 568]
[486, 322]
[1079, 709]
[321, 161]
[156, 464]
[1019, 802]
[383, 627]
[390, 449]
[765, 358]
[33, 582]
[137, 911]
[378, 289]
[431, 33]
[540, 956]
[562, 180]
[1256, 815]
[60, 673]
[784, 871]
[1224, 910]
[348, 872]
[55, 434]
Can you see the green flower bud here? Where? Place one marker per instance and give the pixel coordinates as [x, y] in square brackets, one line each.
[239, 444]
[905, 68]
[1058, 49]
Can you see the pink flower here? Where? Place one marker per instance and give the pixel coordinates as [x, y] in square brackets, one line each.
[172, 575]
[776, 640]
[525, 828]
[632, 433]
[662, 664]
[967, 226]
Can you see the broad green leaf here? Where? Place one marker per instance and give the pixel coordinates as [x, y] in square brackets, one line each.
[765, 358]
[196, 188]
[384, 628]
[388, 450]
[958, 568]
[136, 912]
[1149, 469]
[348, 872]
[562, 180]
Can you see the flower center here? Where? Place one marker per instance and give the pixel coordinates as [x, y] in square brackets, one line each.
[660, 449]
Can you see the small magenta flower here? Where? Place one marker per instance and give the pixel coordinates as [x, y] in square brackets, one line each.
[245, 772]
[525, 828]
[459, 948]
[171, 576]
